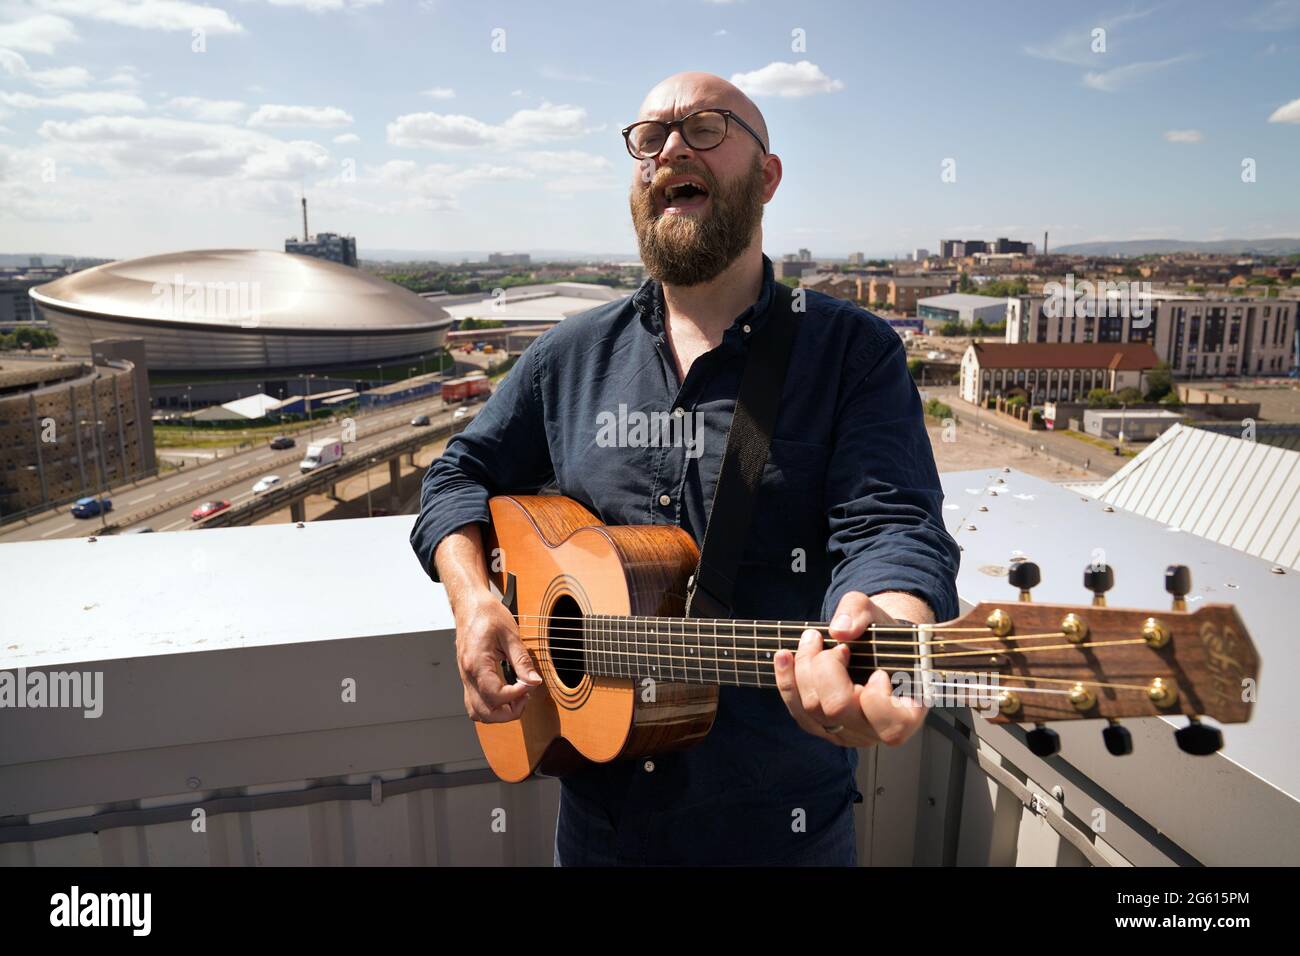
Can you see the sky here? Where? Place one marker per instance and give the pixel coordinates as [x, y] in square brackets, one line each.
[133, 127]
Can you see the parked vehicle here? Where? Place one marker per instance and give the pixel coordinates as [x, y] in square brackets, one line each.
[282, 441]
[89, 507]
[420, 420]
[143, 529]
[266, 484]
[471, 388]
[208, 508]
[462, 412]
[322, 452]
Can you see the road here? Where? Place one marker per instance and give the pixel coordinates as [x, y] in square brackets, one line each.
[165, 503]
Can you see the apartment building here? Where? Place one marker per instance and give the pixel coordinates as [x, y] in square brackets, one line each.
[1198, 335]
[901, 293]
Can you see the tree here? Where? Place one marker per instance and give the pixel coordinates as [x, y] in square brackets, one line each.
[1129, 396]
[1101, 398]
[1160, 382]
[914, 367]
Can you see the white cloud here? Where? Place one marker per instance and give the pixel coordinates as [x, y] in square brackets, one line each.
[322, 117]
[570, 161]
[183, 147]
[1183, 136]
[1109, 81]
[440, 93]
[1288, 113]
[347, 139]
[89, 102]
[59, 78]
[454, 131]
[37, 34]
[213, 111]
[1076, 46]
[325, 6]
[127, 77]
[166, 15]
[786, 79]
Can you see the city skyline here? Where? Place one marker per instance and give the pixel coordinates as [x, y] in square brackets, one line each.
[137, 128]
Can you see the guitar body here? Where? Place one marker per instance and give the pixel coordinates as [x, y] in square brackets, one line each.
[566, 565]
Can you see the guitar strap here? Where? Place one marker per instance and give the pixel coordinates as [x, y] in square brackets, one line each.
[711, 589]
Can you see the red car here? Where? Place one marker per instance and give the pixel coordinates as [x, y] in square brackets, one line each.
[208, 508]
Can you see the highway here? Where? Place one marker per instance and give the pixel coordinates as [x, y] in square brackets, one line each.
[165, 503]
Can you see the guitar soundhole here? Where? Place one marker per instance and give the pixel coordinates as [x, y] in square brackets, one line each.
[565, 634]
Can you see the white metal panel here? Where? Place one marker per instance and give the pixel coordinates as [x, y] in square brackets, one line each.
[1242, 494]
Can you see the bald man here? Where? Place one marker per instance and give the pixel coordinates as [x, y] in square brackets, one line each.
[847, 520]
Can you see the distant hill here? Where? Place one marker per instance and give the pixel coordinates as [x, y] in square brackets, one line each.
[1148, 247]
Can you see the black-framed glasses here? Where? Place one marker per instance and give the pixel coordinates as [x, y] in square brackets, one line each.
[703, 129]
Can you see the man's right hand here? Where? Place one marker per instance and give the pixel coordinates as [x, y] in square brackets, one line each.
[486, 635]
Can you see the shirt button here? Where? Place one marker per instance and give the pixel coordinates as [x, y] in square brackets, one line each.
[649, 766]
[679, 411]
[665, 500]
[746, 328]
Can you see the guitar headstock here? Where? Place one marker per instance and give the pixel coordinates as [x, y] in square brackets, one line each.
[1049, 662]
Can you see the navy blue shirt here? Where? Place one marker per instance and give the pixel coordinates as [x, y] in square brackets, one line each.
[850, 500]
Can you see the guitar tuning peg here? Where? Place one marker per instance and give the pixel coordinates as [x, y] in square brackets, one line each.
[1197, 739]
[1119, 742]
[1098, 578]
[1025, 576]
[1043, 741]
[1178, 582]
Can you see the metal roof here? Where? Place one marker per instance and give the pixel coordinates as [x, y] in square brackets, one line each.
[1062, 531]
[241, 289]
[1122, 356]
[963, 300]
[1243, 494]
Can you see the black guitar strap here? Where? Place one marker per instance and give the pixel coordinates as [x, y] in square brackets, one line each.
[749, 439]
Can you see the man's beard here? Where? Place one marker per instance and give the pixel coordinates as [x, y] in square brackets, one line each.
[685, 250]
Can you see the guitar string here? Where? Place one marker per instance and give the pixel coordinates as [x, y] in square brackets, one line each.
[748, 636]
[735, 663]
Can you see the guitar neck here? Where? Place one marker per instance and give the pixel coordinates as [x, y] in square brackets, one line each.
[736, 653]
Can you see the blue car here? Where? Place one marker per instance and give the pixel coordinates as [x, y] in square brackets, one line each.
[89, 507]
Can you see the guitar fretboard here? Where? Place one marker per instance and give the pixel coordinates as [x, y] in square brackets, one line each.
[686, 650]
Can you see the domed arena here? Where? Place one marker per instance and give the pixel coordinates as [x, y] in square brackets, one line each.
[230, 309]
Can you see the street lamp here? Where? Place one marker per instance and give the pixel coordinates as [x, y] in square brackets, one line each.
[99, 464]
[189, 404]
[370, 513]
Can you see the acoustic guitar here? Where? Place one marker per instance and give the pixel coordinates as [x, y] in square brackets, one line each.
[600, 608]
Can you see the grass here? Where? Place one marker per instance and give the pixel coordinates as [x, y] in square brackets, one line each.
[178, 436]
[1097, 442]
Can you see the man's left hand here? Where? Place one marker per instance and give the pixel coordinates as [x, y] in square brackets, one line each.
[820, 693]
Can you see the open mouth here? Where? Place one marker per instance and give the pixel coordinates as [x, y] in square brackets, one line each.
[684, 195]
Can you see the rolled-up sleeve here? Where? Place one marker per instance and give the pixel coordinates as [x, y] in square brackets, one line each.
[504, 449]
[884, 500]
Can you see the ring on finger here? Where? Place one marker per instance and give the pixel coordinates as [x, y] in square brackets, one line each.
[833, 728]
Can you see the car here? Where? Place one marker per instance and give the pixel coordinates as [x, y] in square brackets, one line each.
[208, 508]
[90, 507]
[282, 441]
[420, 420]
[460, 413]
[143, 529]
[266, 484]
